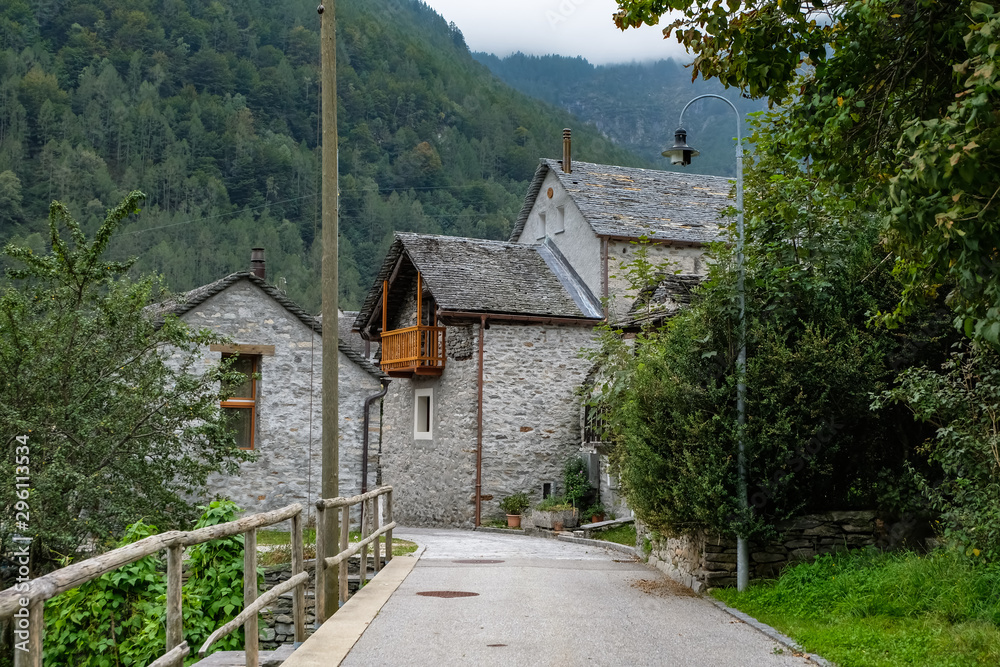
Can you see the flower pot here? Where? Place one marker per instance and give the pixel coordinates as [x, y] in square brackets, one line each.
[513, 520]
[596, 518]
[557, 525]
[550, 519]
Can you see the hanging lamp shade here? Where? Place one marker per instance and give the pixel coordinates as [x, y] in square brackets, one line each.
[680, 153]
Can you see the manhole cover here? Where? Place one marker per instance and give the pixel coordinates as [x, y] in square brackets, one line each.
[447, 594]
[494, 645]
[477, 562]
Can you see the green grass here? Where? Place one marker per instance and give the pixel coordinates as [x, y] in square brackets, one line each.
[868, 609]
[283, 554]
[624, 534]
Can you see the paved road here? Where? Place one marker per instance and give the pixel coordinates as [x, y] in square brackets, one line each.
[551, 604]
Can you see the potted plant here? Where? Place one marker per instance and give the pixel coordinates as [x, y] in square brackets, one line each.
[596, 512]
[513, 506]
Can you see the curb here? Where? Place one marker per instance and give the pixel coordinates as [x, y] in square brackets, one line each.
[773, 634]
[499, 531]
[614, 546]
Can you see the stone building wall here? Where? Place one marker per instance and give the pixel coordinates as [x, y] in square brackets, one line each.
[531, 418]
[530, 423]
[702, 560]
[685, 259]
[288, 432]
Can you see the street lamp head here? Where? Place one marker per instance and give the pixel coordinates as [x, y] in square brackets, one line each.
[680, 153]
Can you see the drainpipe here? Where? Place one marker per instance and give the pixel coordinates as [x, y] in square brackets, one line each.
[364, 439]
[479, 436]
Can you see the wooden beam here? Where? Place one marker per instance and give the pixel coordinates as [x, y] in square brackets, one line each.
[262, 350]
[420, 310]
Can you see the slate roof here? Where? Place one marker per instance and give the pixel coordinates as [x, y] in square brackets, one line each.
[199, 295]
[474, 275]
[628, 202]
[671, 294]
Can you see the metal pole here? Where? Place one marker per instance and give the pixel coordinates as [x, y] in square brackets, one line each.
[742, 548]
[331, 462]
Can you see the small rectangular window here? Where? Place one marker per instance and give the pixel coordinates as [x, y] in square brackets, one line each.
[559, 224]
[241, 408]
[541, 226]
[423, 414]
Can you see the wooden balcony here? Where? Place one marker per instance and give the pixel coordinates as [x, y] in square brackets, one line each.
[413, 351]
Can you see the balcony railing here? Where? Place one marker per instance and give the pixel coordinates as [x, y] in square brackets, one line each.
[413, 351]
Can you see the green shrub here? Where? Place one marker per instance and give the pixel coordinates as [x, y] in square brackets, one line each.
[120, 618]
[576, 480]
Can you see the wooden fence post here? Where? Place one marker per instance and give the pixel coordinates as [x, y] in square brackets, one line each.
[320, 565]
[365, 523]
[345, 536]
[388, 520]
[251, 640]
[299, 596]
[175, 613]
[378, 541]
[36, 628]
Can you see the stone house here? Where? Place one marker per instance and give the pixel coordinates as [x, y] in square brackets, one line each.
[485, 337]
[279, 412]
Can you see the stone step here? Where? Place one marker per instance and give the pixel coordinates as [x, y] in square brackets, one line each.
[238, 658]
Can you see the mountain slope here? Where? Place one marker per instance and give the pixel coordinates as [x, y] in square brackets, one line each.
[212, 109]
[637, 105]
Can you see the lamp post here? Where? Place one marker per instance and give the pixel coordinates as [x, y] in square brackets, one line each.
[680, 153]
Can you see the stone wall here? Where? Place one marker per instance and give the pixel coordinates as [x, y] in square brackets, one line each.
[530, 423]
[702, 560]
[288, 431]
[686, 259]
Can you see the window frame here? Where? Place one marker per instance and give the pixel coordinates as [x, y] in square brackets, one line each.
[417, 395]
[542, 226]
[244, 402]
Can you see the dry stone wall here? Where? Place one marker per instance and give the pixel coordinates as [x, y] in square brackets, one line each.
[702, 560]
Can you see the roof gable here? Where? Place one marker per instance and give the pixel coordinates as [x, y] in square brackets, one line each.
[628, 202]
[194, 298]
[475, 275]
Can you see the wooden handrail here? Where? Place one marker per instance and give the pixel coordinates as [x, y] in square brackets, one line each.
[356, 548]
[77, 574]
[418, 346]
[260, 603]
[344, 550]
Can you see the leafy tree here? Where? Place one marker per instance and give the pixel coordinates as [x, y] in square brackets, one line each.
[119, 425]
[814, 273]
[962, 402]
[894, 105]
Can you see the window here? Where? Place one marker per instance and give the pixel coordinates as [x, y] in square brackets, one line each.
[541, 226]
[423, 414]
[241, 407]
[559, 224]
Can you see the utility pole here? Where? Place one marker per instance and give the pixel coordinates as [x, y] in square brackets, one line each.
[331, 370]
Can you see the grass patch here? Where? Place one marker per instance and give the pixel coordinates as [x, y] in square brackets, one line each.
[868, 609]
[623, 534]
[279, 549]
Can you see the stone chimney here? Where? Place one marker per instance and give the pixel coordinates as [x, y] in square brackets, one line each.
[257, 263]
[567, 161]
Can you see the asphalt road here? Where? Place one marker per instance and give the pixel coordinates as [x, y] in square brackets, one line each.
[551, 604]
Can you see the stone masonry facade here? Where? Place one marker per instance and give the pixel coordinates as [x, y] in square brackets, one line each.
[531, 423]
[288, 429]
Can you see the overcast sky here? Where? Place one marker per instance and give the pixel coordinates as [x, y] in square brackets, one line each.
[565, 27]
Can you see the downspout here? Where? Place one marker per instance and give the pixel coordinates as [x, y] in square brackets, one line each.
[364, 439]
[479, 436]
[605, 245]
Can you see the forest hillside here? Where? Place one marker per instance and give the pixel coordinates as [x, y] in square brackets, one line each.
[637, 105]
[211, 107]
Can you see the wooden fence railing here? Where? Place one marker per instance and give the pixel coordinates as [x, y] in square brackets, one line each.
[13, 601]
[370, 532]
